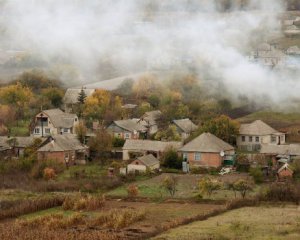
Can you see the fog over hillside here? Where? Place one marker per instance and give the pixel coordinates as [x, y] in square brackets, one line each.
[130, 36]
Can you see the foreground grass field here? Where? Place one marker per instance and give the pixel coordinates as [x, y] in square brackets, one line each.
[187, 187]
[259, 223]
[155, 218]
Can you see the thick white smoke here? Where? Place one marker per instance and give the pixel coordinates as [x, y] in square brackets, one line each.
[135, 36]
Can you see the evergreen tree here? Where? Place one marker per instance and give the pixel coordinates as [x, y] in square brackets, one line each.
[82, 96]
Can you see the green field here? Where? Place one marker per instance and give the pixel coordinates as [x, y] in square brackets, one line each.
[259, 223]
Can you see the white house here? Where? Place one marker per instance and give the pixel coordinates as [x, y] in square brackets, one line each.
[144, 163]
[53, 122]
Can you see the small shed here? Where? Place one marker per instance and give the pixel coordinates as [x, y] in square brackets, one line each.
[285, 172]
[144, 163]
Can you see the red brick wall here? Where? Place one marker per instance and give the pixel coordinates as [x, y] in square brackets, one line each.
[285, 174]
[207, 159]
[58, 156]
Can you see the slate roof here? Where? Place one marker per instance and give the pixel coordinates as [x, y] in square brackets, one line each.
[130, 125]
[149, 145]
[286, 149]
[60, 118]
[148, 160]
[206, 142]
[71, 95]
[21, 142]
[186, 125]
[258, 128]
[60, 143]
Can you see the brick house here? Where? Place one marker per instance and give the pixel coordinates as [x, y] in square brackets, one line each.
[253, 135]
[52, 122]
[65, 149]
[207, 150]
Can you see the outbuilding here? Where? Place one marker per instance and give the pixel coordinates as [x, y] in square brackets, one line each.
[144, 163]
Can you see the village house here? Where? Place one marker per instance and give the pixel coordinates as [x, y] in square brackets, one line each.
[143, 164]
[15, 146]
[184, 127]
[127, 129]
[53, 122]
[134, 148]
[149, 121]
[207, 150]
[70, 98]
[253, 135]
[65, 149]
[285, 172]
[268, 55]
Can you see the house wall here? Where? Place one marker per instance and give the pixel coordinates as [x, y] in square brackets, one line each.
[142, 152]
[52, 130]
[286, 173]
[60, 157]
[118, 132]
[254, 145]
[207, 159]
[134, 167]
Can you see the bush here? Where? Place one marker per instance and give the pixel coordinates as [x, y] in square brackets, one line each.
[199, 170]
[118, 142]
[132, 190]
[38, 169]
[208, 186]
[257, 175]
[282, 192]
[170, 159]
[49, 173]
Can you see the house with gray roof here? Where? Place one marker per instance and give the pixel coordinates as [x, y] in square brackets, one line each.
[65, 149]
[15, 146]
[70, 98]
[133, 148]
[253, 135]
[207, 150]
[127, 129]
[52, 122]
[143, 164]
[184, 127]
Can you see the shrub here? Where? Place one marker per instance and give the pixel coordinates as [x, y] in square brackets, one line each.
[38, 169]
[132, 190]
[170, 184]
[257, 175]
[280, 192]
[49, 173]
[199, 170]
[243, 186]
[170, 159]
[208, 186]
[118, 142]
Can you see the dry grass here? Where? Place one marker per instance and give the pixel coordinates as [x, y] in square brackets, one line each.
[246, 223]
[84, 202]
[32, 205]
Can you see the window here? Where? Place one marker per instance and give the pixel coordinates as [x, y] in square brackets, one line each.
[75, 119]
[66, 130]
[36, 130]
[256, 139]
[273, 139]
[47, 130]
[243, 138]
[127, 135]
[250, 138]
[185, 156]
[197, 156]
